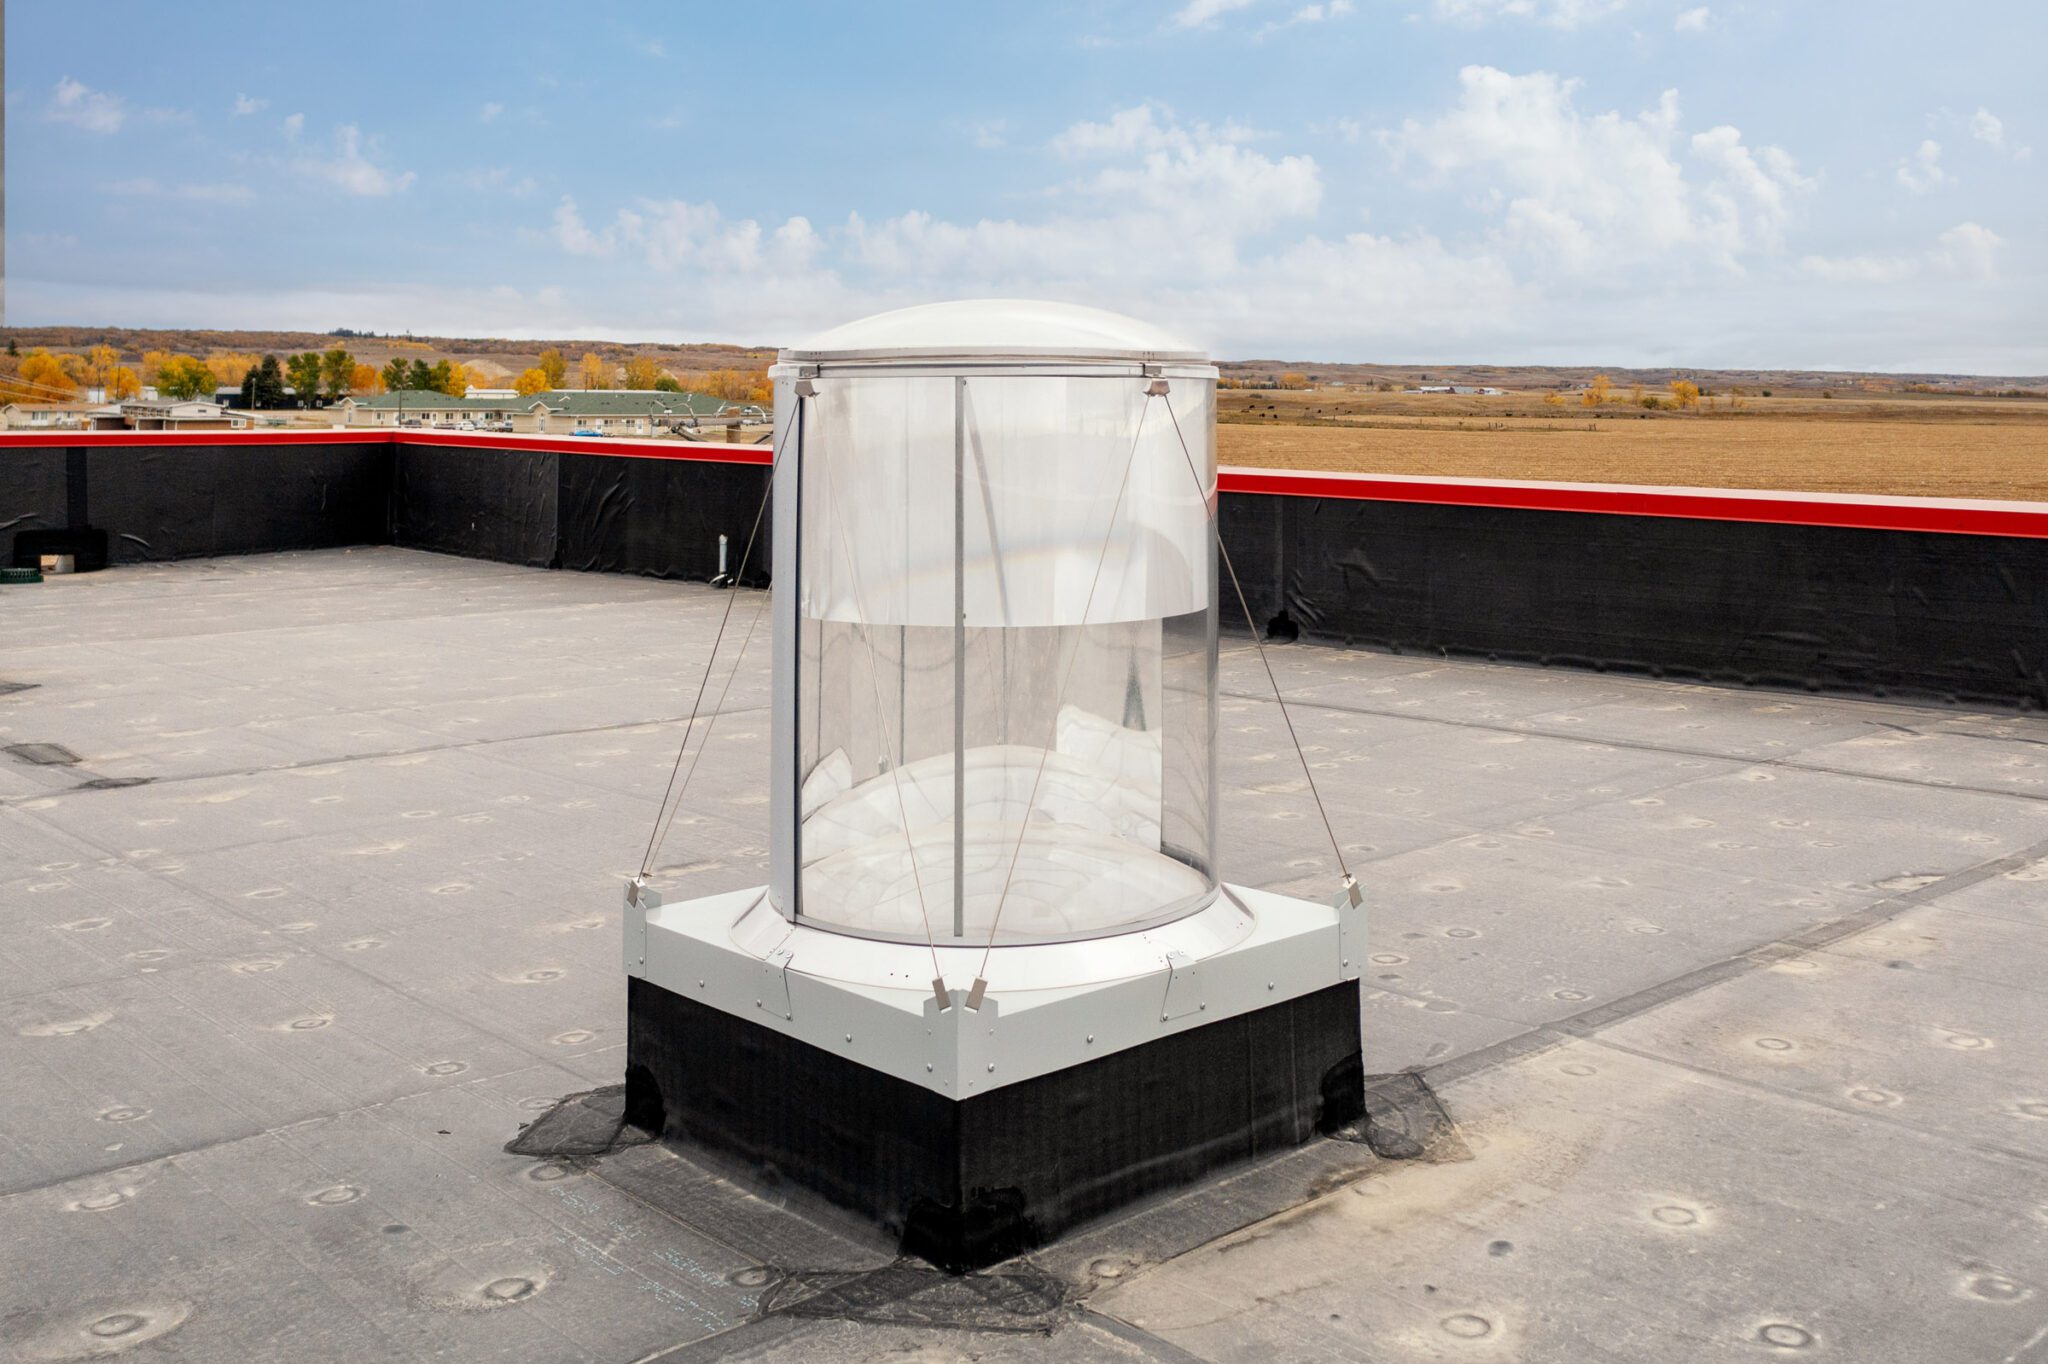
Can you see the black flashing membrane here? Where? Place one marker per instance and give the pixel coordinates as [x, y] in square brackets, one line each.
[969, 1183]
[1892, 613]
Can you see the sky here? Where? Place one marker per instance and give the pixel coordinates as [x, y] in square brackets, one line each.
[1739, 183]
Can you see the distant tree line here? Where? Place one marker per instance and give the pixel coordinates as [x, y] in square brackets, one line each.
[306, 379]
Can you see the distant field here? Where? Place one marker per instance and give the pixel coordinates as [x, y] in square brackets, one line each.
[1905, 445]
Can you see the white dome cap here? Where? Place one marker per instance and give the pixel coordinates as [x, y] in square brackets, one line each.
[995, 328]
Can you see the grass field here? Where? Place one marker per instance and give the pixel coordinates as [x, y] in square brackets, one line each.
[1905, 444]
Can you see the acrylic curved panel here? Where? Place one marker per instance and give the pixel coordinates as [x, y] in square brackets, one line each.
[1069, 716]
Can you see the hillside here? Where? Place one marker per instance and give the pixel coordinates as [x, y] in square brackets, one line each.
[495, 354]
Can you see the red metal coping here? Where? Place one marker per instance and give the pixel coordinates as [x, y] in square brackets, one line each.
[1941, 515]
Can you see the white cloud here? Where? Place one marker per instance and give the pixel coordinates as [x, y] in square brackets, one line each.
[1141, 128]
[988, 136]
[1556, 13]
[1318, 13]
[674, 235]
[1965, 249]
[1161, 217]
[1968, 249]
[191, 190]
[1595, 225]
[1584, 192]
[1921, 173]
[1989, 129]
[246, 105]
[1571, 228]
[1203, 13]
[350, 169]
[1693, 20]
[489, 113]
[498, 180]
[293, 125]
[82, 107]
[1866, 269]
[574, 235]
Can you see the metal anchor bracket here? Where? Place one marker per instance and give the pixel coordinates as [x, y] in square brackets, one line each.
[1350, 906]
[641, 900]
[775, 983]
[1183, 987]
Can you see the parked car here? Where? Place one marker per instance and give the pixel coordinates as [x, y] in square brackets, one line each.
[585, 431]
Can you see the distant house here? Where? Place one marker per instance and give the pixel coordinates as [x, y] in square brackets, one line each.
[166, 414]
[631, 412]
[428, 407]
[46, 416]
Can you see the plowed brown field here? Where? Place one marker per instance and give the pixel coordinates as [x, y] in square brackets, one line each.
[1911, 447]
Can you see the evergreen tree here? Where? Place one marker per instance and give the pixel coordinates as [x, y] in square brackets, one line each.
[263, 385]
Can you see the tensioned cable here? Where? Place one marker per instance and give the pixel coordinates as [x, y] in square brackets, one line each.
[1202, 491]
[710, 722]
[47, 392]
[860, 623]
[665, 815]
[1024, 822]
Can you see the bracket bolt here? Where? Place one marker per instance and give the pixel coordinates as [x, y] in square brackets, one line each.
[991, 1067]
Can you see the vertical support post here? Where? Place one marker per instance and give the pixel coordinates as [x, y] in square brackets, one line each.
[959, 657]
[784, 599]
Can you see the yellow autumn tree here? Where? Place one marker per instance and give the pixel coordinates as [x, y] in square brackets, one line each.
[530, 382]
[364, 378]
[1294, 381]
[46, 377]
[182, 377]
[122, 384]
[231, 367]
[554, 368]
[458, 379]
[153, 362]
[1685, 393]
[734, 385]
[641, 373]
[96, 367]
[1598, 391]
[594, 372]
[1553, 400]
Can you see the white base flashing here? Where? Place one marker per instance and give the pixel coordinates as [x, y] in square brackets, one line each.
[1047, 1007]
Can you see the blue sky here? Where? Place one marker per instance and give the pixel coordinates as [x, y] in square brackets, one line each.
[1739, 182]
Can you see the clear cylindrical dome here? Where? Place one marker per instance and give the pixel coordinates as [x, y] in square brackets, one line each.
[996, 628]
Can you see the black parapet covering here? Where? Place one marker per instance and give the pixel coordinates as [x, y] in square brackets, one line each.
[479, 502]
[1910, 614]
[194, 501]
[35, 495]
[968, 1183]
[662, 517]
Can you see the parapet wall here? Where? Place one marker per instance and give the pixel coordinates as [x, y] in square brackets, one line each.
[1913, 598]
